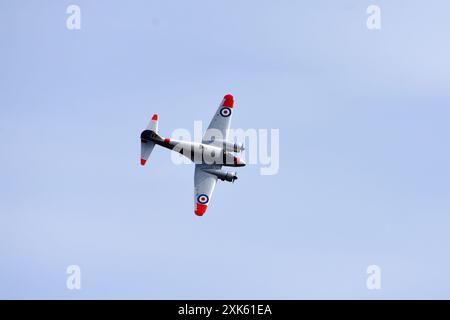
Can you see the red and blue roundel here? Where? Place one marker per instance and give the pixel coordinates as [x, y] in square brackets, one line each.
[203, 199]
[225, 112]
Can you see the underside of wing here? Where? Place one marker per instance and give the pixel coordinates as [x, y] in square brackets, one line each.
[220, 123]
[204, 184]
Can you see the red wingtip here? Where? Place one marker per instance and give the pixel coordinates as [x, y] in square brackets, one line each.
[228, 101]
[155, 117]
[143, 161]
[201, 209]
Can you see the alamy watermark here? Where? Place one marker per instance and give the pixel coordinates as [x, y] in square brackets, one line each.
[374, 20]
[73, 281]
[259, 146]
[373, 281]
[73, 21]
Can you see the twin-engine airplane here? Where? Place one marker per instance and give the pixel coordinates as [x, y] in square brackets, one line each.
[209, 156]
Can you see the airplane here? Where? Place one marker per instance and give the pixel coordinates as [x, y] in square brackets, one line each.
[209, 156]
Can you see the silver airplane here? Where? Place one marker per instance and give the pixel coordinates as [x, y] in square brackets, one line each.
[209, 156]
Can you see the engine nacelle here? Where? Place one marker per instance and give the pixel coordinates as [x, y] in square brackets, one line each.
[234, 147]
[228, 146]
[223, 175]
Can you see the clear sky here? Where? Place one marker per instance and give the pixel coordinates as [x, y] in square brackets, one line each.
[364, 149]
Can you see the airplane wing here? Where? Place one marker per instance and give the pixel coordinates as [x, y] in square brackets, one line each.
[220, 123]
[204, 184]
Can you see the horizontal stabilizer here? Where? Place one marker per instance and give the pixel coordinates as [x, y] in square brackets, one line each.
[146, 150]
[153, 124]
[147, 145]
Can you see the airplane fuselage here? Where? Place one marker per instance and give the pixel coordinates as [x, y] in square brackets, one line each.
[198, 153]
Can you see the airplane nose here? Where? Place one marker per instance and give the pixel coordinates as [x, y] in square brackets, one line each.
[239, 162]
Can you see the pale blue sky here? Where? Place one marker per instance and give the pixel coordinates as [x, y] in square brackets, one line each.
[364, 165]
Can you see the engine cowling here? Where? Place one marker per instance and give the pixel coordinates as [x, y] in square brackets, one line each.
[230, 146]
[235, 147]
[223, 175]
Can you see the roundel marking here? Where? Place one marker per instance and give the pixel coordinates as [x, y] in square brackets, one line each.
[225, 112]
[203, 199]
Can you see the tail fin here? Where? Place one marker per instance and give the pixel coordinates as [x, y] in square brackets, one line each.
[147, 145]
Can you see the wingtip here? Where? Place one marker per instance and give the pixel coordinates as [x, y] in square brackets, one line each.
[228, 101]
[143, 161]
[201, 209]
